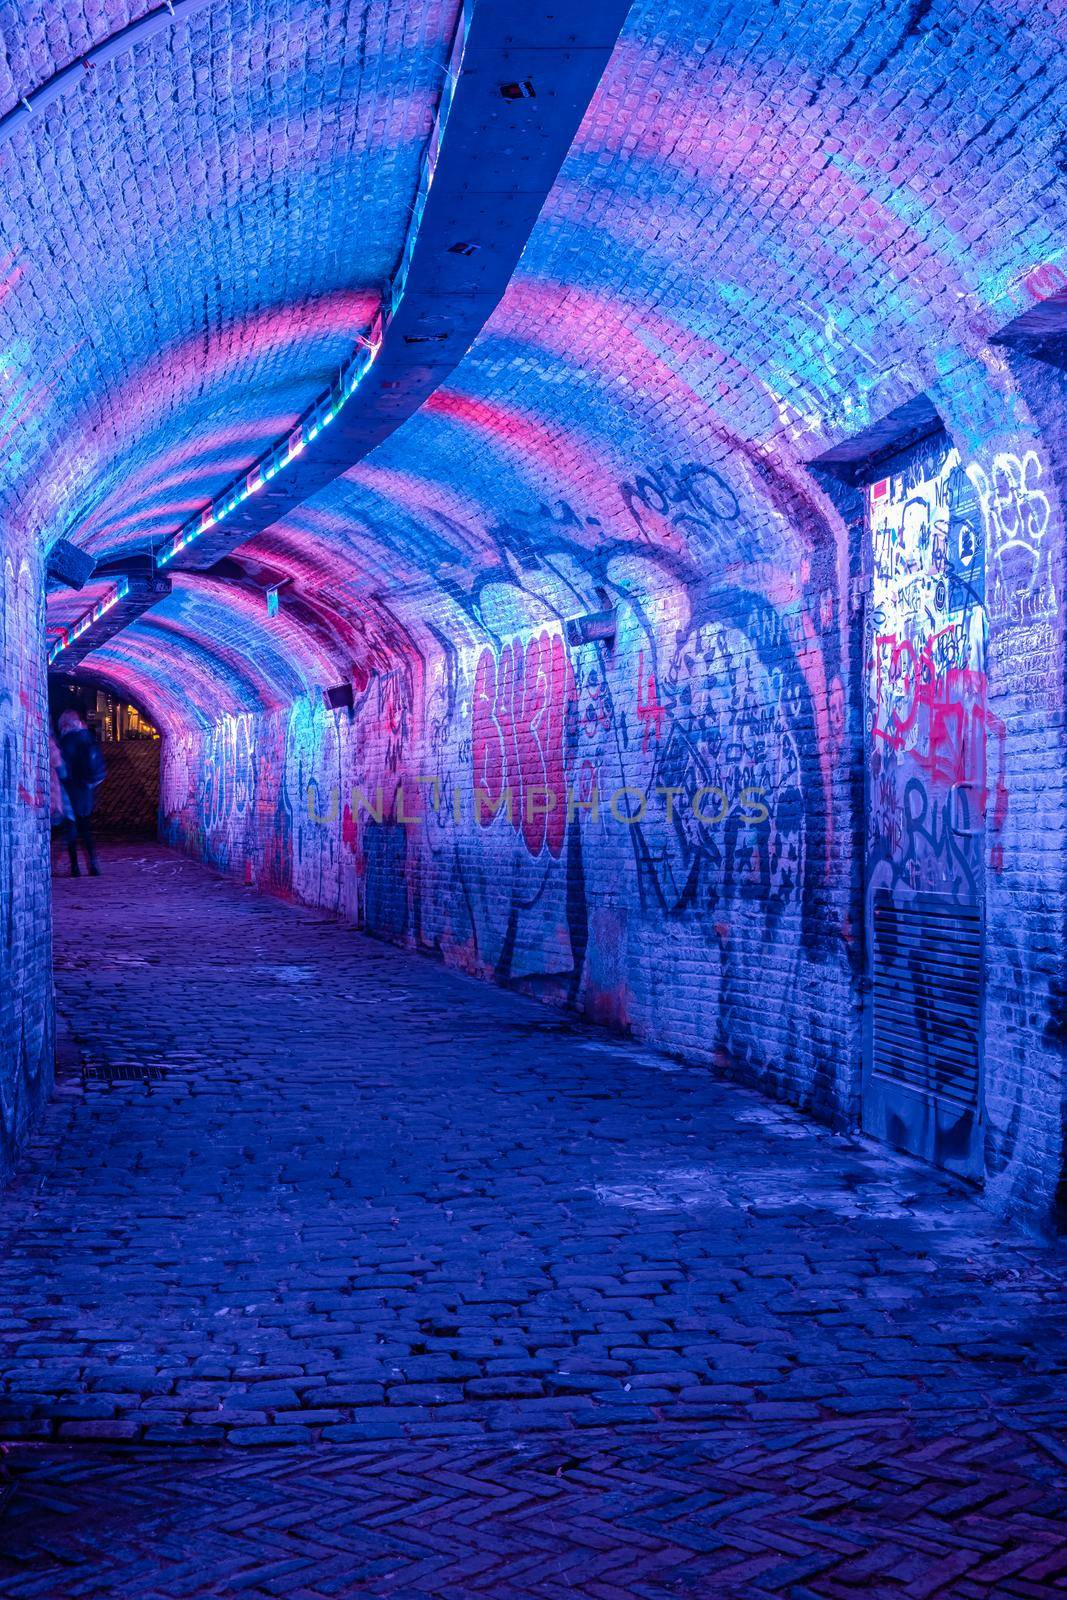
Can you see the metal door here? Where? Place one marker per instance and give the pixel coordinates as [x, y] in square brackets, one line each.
[934, 776]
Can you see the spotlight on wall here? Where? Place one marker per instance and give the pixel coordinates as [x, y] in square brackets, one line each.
[595, 627]
[68, 565]
[340, 698]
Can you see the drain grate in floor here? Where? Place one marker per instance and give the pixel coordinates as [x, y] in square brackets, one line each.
[122, 1072]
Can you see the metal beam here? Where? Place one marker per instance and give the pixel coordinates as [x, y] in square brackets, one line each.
[527, 72]
[114, 611]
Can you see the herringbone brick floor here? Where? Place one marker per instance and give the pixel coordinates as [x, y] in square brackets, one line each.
[332, 1272]
[887, 1506]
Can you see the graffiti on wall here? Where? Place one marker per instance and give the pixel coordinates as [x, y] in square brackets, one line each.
[181, 750]
[522, 695]
[937, 772]
[581, 817]
[690, 508]
[228, 772]
[937, 802]
[682, 760]
[25, 1027]
[1017, 515]
[727, 755]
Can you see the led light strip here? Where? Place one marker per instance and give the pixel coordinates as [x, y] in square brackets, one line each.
[116, 44]
[328, 407]
[67, 636]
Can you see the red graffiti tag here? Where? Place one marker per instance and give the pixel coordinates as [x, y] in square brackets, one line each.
[940, 717]
[520, 706]
[1045, 281]
[650, 713]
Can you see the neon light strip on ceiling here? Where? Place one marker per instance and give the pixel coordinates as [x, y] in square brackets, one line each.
[329, 406]
[67, 636]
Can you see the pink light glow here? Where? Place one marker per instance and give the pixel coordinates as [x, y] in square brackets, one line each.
[733, 147]
[169, 690]
[150, 395]
[163, 474]
[595, 332]
[563, 456]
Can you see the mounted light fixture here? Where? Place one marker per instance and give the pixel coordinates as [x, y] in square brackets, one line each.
[69, 566]
[116, 44]
[594, 627]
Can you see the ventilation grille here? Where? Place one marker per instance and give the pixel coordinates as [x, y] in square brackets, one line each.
[927, 995]
[121, 1072]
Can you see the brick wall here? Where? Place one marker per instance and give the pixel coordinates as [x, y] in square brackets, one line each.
[127, 803]
[26, 1038]
[676, 862]
[684, 857]
[775, 227]
[1017, 426]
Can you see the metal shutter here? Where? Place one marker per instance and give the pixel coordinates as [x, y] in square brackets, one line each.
[927, 972]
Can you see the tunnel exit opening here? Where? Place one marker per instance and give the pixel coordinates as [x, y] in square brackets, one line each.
[126, 805]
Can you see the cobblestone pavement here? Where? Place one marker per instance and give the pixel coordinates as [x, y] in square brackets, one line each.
[332, 1272]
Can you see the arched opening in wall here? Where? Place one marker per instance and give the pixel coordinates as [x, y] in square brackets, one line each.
[935, 796]
[125, 803]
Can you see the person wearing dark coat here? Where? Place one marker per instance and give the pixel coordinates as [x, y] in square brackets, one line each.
[83, 773]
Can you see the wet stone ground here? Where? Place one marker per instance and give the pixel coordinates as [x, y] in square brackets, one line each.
[332, 1272]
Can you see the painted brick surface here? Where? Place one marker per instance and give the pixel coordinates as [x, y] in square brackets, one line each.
[632, 432]
[647, 831]
[26, 1027]
[774, 228]
[182, 270]
[1022, 480]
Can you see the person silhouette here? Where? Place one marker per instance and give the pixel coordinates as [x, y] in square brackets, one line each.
[83, 773]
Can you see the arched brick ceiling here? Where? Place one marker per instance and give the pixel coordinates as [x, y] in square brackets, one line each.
[778, 222]
[193, 239]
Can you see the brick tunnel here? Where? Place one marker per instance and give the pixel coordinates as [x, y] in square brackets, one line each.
[571, 1101]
